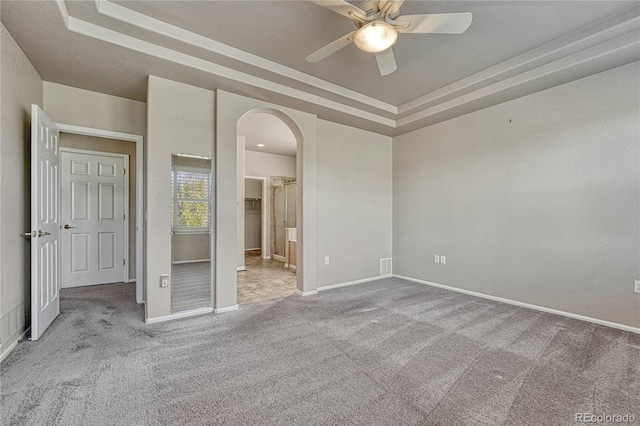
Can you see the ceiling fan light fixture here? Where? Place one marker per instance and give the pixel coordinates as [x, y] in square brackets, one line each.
[375, 37]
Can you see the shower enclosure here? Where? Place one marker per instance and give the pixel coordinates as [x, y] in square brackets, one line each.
[283, 213]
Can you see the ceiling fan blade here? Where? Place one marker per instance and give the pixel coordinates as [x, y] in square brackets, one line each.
[341, 7]
[386, 62]
[331, 48]
[439, 23]
[392, 8]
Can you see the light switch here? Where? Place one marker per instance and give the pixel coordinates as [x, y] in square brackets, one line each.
[436, 258]
[164, 280]
[443, 259]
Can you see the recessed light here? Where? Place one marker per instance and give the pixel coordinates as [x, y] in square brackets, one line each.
[260, 145]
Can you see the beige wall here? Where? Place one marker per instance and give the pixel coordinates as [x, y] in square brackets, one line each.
[70, 105]
[70, 140]
[180, 120]
[20, 87]
[354, 203]
[536, 200]
[187, 247]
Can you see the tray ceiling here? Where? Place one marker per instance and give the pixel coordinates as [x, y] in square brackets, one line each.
[258, 49]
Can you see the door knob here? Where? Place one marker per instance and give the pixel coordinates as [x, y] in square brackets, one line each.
[42, 234]
[29, 234]
[68, 227]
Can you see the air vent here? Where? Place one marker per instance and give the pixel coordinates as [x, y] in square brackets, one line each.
[385, 266]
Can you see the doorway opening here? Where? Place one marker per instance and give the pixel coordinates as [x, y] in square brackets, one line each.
[267, 267]
[98, 209]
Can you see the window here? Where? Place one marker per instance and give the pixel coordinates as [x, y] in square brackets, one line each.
[191, 206]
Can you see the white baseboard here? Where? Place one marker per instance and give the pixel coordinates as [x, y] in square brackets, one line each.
[306, 293]
[228, 309]
[132, 281]
[180, 262]
[253, 249]
[177, 315]
[292, 267]
[279, 258]
[241, 268]
[348, 283]
[525, 305]
[266, 257]
[4, 352]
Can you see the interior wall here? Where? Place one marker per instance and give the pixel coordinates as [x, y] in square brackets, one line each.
[71, 140]
[261, 164]
[70, 105]
[180, 120]
[354, 203]
[535, 200]
[20, 86]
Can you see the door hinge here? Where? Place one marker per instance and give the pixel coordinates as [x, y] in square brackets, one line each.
[124, 216]
[125, 171]
[124, 262]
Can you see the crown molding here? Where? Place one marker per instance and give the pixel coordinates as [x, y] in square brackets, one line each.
[98, 32]
[603, 45]
[140, 20]
[601, 31]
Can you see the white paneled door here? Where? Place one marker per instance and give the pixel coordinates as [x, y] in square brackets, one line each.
[92, 218]
[45, 225]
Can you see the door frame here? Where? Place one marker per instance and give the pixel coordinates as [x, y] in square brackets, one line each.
[140, 280]
[263, 216]
[125, 230]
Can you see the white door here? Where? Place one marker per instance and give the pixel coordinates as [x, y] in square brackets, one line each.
[45, 226]
[93, 218]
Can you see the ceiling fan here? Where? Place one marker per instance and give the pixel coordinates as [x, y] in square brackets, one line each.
[379, 22]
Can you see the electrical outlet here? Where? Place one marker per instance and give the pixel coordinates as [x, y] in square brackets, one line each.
[443, 259]
[164, 280]
[436, 258]
[636, 286]
[326, 260]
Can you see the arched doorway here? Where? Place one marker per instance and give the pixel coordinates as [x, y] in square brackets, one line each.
[269, 205]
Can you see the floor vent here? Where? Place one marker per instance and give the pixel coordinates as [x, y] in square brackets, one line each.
[385, 266]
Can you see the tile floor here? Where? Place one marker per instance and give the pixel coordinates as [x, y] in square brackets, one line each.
[264, 279]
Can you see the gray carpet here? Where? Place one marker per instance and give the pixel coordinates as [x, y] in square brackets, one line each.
[191, 286]
[388, 352]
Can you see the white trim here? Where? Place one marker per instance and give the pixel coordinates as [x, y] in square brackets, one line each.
[116, 38]
[253, 249]
[178, 315]
[350, 283]
[180, 262]
[241, 268]
[165, 29]
[125, 158]
[279, 258]
[132, 281]
[595, 48]
[306, 293]
[5, 352]
[525, 305]
[292, 267]
[266, 257]
[227, 309]
[140, 223]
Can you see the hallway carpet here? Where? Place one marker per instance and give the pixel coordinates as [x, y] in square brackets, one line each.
[388, 352]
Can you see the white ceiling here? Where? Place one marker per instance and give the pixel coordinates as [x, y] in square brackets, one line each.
[511, 49]
[273, 133]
